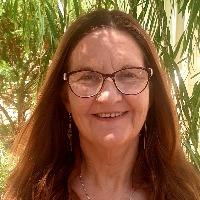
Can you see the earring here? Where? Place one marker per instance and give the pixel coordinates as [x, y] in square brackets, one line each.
[144, 135]
[69, 133]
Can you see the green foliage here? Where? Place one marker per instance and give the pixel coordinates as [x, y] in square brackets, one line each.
[6, 165]
[188, 108]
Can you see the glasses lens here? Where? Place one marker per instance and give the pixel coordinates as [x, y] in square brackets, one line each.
[85, 83]
[131, 81]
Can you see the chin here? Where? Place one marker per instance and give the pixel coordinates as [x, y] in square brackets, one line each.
[114, 140]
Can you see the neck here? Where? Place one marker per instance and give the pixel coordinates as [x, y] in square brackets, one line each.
[109, 168]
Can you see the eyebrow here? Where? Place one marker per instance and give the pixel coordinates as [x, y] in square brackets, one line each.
[91, 69]
[82, 68]
[128, 66]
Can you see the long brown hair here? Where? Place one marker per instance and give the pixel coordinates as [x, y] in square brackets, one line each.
[46, 164]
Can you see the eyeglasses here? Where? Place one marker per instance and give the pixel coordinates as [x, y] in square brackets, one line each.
[129, 81]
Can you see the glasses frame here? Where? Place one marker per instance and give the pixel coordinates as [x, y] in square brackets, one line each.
[149, 71]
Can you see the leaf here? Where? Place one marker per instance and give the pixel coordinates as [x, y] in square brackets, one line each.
[77, 7]
[52, 25]
[178, 46]
[195, 75]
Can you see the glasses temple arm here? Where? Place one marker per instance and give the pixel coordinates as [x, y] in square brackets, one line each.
[151, 72]
[65, 76]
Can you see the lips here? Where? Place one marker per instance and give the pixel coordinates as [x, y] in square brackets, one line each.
[109, 115]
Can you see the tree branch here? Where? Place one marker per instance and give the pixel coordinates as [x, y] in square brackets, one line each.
[7, 116]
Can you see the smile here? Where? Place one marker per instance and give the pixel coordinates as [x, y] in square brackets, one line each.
[109, 115]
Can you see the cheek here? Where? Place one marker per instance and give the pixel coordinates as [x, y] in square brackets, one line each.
[80, 112]
[79, 107]
[139, 105]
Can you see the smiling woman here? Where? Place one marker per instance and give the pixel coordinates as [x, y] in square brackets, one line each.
[112, 116]
[105, 126]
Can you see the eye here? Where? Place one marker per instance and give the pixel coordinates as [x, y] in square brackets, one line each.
[89, 77]
[126, 75]
[132, 74]
[86, 78]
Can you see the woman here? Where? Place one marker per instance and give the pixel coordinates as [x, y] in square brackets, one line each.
[105, 126]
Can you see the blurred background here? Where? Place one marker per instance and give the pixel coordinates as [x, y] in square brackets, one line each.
[30, 31]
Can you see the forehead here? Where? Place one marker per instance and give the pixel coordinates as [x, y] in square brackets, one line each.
[104, 49]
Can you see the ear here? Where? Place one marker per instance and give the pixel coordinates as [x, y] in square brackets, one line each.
[65, 100]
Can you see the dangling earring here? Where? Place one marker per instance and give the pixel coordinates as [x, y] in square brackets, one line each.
[144, 135]
[69, 133]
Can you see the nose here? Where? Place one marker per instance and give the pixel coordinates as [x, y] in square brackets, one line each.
[109, 93]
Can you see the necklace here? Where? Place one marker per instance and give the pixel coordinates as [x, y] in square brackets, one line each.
[83, 187]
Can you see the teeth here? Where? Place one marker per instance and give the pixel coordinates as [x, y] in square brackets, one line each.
[109, 115]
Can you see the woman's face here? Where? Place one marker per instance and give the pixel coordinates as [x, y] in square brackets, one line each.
[106, 51]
